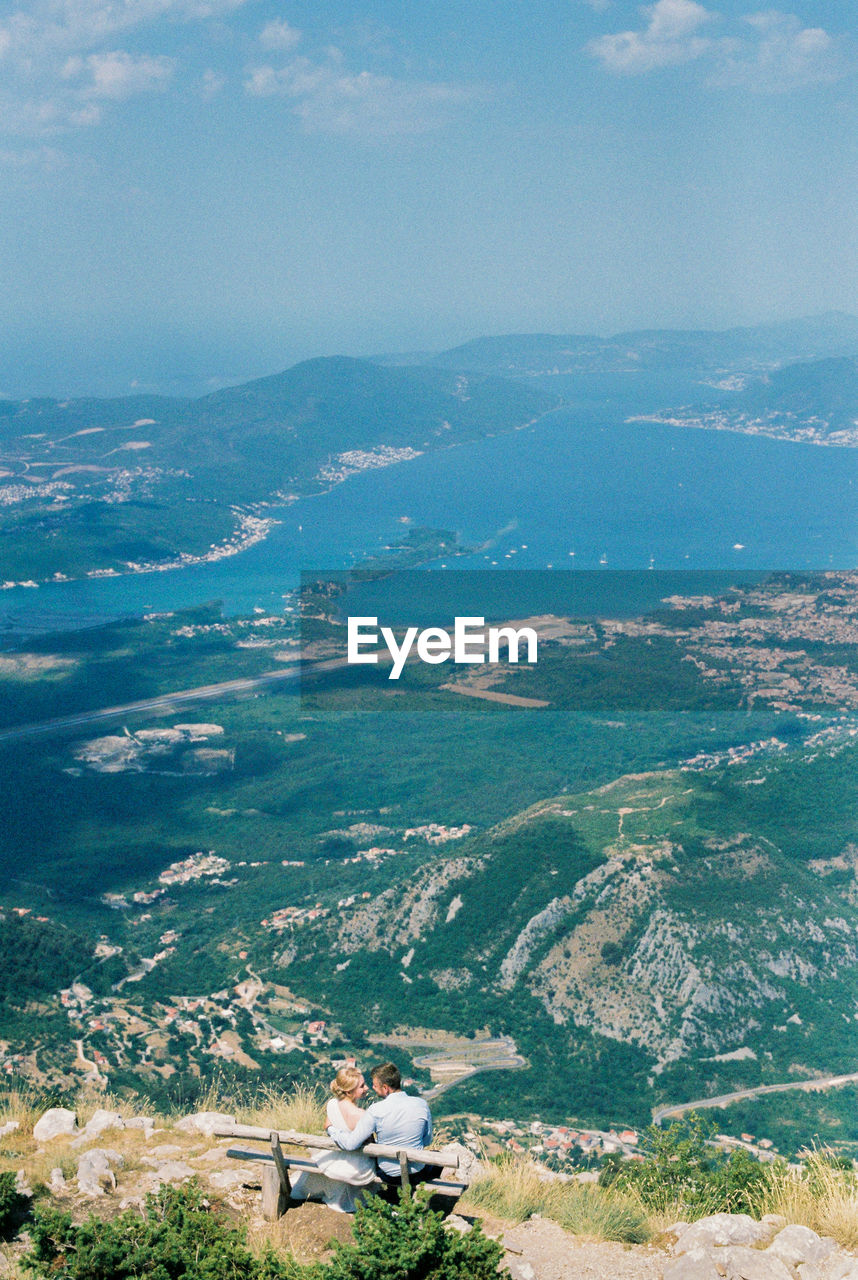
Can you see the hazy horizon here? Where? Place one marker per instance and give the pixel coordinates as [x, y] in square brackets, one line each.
[207, 190]
[154, 363]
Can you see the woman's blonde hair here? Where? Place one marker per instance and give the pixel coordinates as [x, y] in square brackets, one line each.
[346, 1081]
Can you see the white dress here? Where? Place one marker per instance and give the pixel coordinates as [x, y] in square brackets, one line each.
[343, 1176]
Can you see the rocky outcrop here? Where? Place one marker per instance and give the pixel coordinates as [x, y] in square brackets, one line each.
[204, 1122]
[537, 928]
[722, 1229]
[405, 914]
[735, 1247]
[95, 1174]
[58, 1122]
[102, 1120]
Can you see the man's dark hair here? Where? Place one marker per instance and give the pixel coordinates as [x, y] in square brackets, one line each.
[387, 1074]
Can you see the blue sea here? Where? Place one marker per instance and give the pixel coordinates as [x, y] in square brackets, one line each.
[578, 491]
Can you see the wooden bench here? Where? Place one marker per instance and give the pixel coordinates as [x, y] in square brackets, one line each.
[277, 1188]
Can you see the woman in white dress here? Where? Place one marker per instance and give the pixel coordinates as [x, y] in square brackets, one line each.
[344, 1176]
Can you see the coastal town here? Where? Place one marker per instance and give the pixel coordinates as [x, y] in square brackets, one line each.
[776, 425]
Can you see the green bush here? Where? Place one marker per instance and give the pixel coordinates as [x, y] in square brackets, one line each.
[14, 1207]
[408, 1241]
[177, 1237]
[682, 1170]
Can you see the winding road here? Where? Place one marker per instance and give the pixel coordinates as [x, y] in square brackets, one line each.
[724, 1099]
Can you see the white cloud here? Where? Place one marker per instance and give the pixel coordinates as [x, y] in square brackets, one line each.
[77, 25]
[781, 55]
[59, 58]
[118, 74]
[327, 98]
[769, 52]
[279, 35]
[212, 83]
[669, 38]
[32, 158]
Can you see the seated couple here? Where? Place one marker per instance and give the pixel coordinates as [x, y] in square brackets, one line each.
[397, 1120]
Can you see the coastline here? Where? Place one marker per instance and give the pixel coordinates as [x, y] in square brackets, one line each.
[251, 530]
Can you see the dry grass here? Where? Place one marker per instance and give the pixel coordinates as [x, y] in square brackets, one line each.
[24, 1104]
[511, 1189]
[217, 1096]
[27, 1103]
[88, 1101]
[16, 1272]
[303, 1109]
[442, 1136]
[293, 1247]
[20, 1152]
[37, 1165]
[516, 1189]
[818, 1195]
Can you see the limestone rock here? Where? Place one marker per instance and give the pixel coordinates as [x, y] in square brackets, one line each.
[697, 1264]
[741, 1263]
[170, 1171]
[520, 1270]
[9, 1127]
[797, 1244]
[132, 1202]
[838, 1267]
[141, 1122]
[468, 1165]
[204, 1122]
[21, 1185]
[57, 1183]
[102, 1120]
[213, 1155]
[722, 1229]
[226, 1179]
[58, 1122]
[94, 1172]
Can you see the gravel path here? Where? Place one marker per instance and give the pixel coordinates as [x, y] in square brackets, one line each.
[541, 1250]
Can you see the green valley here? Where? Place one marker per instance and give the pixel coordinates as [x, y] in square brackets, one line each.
[646, 899]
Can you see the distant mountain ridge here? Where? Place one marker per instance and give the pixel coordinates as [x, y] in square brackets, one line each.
[808, 388]
[511, 355]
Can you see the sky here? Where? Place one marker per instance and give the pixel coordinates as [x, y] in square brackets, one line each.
[194, 192]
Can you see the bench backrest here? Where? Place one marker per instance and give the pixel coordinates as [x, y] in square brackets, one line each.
[290, 1138]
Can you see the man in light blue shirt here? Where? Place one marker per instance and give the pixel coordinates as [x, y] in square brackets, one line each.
[398, 1120]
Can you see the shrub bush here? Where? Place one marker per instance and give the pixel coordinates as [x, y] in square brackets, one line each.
[177, 1237]
[180, 1237]
[408, 1241]
[14, 1207]
[682, 1172]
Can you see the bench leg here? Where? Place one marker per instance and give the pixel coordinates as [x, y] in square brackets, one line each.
[404, 1175]
[274, 1198]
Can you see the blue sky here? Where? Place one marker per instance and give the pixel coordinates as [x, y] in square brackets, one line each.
[212, 189]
